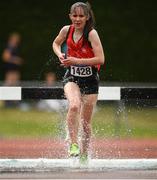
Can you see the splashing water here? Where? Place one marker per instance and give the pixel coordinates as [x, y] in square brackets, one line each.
[47, 64]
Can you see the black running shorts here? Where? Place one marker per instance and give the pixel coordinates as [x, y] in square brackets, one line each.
[87, 85]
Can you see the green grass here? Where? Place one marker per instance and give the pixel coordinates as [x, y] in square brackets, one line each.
[133, 122]
[32, 123]
[139, 122]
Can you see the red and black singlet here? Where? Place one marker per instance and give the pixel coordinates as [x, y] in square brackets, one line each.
[79, 49]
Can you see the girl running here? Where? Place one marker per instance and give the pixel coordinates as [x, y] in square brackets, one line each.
[82, 59]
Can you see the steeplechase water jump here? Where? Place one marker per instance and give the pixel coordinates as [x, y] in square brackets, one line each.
[104, 130]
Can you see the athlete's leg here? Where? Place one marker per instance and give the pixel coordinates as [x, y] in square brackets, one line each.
[73, 95]
[88, 104]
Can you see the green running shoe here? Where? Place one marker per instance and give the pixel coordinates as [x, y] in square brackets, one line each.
[84, 159]
[74, 150]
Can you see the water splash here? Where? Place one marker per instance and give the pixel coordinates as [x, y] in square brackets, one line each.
[52, 59]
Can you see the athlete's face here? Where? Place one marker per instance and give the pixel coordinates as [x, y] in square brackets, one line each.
[78, 18]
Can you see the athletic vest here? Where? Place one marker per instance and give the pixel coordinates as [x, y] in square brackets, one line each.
[79, 49]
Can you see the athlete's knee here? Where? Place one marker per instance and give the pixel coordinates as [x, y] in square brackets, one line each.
[75, 107]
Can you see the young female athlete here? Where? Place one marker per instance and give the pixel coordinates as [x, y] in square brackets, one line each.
[83, 58]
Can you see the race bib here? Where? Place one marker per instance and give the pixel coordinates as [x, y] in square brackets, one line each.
[81, 71]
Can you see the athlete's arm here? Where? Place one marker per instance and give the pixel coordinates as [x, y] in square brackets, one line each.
[56, 45]
[97, 49]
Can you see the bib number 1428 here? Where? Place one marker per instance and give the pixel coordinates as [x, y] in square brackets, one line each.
[81, 71]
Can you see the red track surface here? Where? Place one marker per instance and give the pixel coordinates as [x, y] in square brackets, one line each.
[56, 148]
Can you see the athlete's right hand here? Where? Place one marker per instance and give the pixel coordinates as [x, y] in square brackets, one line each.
[61, 57]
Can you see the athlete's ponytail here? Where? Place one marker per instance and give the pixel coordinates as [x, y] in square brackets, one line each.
[91, 21]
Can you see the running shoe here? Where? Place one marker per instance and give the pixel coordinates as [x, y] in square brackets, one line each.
[74, 150]
[84, 159]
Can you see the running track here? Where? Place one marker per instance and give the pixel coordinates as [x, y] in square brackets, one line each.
[57, 148]
[101, 148]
